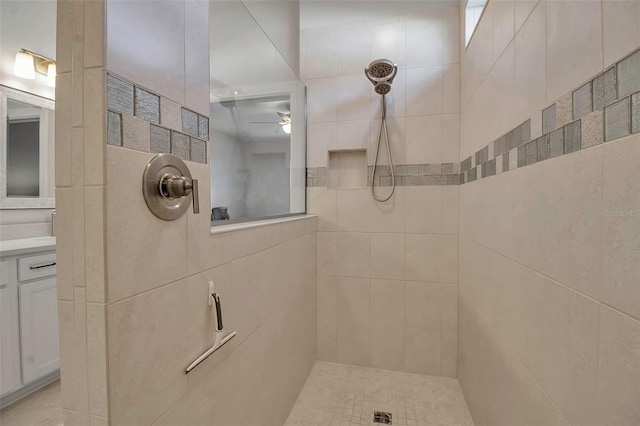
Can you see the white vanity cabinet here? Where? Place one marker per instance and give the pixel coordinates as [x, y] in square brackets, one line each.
[29, 353]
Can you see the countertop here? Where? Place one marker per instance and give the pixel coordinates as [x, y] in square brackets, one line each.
[26, 245]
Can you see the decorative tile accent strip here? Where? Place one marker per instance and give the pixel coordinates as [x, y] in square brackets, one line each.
[119, 95]
[543, 147]
[203, 127]
[136, 133]
[616, 120]
[574, 122]
[536, 125]
[180, 145]
[147, 105]
[582, 101]
[466, 164]
[505, 162]
[572, 137]
[564, 110]
[556, 143]
[160, 139]
[133, 119]
[635, 113]
[604, 89]
[189, 122]
[198, 150]
[591, 130]
[629, 75]
[114, 129]
[548, 119]
[316, 177]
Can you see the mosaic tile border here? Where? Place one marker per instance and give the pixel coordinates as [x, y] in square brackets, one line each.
[605, 108]
[144, 121]
[406, 175]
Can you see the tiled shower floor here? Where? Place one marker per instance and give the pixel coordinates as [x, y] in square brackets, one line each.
[346, 395]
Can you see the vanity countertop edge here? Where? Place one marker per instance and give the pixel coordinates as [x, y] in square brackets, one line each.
[26, 245]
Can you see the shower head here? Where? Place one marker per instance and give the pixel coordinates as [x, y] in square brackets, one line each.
[381, 73]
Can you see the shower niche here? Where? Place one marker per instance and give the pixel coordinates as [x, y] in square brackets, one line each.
[348, 169]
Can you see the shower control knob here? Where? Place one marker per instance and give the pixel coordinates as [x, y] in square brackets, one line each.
[168, 188]
[175, 186]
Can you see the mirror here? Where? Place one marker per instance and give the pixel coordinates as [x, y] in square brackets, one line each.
[27, 136]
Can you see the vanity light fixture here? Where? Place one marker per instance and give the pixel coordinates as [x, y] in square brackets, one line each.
[24, 66]
[28, 63]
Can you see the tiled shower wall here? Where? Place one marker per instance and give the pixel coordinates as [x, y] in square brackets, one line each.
[133, 289]
[549, 314]
[387, 272]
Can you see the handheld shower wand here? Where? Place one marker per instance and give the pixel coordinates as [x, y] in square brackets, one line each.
[381, 73]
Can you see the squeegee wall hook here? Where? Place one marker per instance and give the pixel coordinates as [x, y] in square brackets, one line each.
[214, 300]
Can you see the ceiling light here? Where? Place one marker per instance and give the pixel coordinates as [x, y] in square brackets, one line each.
[287, 128]
[25, 66]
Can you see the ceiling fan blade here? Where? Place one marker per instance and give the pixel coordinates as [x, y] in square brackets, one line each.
[284, 115]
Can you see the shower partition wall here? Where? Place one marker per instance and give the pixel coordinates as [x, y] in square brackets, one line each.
[257, 122]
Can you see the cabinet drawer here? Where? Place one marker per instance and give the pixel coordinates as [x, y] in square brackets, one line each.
[40, 266]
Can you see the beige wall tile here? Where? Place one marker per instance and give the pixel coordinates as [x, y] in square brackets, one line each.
[423, 305]
[327, 253]
[422, 351]
[327, 340]
[134, 59]
[423, 209]
[618, 368]
[63, 128]
[93, 43]
[449, 354]
[160, 317]
[386, 255]
[97, 360]
[353, 343]
[621, 231]
[530, 62]
[322, 201]
[621, 34]
[353, 210]
[567, 68]
[94, 241]
[64, 244]
[388, 216]
[353, 254]
[450, 209]
[353, 299]
[423, 261]
[94, 126]
[503, 26]
[387, 302]
[571, 353]
[424, 139]
[387, 347]
[135, 233]
[327, 298]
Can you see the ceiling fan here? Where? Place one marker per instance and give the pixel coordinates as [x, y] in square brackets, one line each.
[285, 122]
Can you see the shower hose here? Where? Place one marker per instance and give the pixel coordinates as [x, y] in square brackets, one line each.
[383, 128]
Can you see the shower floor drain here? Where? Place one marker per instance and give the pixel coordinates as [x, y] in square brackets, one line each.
[382, 417]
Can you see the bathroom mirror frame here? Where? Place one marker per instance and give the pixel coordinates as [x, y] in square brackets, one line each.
[46, 152]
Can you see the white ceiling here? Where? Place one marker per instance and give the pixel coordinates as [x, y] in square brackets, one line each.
[321, 13]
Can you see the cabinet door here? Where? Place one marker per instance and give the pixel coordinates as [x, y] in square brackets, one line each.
[38, 329]
[9, 366]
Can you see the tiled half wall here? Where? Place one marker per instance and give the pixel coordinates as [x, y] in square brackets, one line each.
[144, 121]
